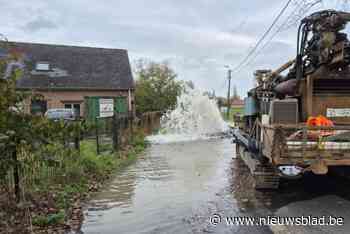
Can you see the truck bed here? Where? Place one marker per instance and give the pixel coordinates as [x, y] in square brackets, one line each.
[281, 150]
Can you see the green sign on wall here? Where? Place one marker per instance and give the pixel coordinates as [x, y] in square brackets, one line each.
[93, 106]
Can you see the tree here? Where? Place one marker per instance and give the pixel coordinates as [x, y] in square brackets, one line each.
[221, 101]
[189, 84]
[156, 87]
[20, 131]
[12, 122]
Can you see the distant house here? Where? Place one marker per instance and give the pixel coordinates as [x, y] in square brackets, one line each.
[75, 77]
[237, 103]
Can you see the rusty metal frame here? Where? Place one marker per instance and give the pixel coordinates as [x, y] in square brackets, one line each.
[279, 154]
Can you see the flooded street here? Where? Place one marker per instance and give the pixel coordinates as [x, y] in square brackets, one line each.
[176, 187]
[164, 190]
[189, 175]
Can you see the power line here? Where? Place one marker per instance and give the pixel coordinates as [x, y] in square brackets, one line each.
[298, 13]
[281, 28]
[345, 5]
[302, 7]
[262, 38]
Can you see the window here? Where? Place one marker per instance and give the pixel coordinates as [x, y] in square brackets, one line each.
[68, 106]
[42, 66]
[75, 107]
[38, 107]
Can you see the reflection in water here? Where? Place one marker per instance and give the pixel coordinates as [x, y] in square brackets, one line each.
[162, 191]
[175, 188]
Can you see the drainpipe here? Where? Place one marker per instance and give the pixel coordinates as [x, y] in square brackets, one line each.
[129, 101]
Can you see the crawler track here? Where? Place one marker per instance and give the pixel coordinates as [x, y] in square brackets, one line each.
[264, 174]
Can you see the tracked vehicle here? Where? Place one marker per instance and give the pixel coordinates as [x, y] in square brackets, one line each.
[297, 118]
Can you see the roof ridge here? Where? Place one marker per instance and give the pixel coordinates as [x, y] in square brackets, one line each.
[62, 45]
[81, 66]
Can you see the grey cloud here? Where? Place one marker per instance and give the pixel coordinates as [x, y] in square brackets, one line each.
[38, 24]
[197, 37]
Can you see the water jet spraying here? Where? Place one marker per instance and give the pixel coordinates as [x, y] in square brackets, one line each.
[195, 117]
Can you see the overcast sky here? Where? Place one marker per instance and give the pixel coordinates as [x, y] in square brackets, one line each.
[197, 37]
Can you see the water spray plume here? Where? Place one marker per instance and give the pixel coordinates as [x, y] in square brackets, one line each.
[195, 116]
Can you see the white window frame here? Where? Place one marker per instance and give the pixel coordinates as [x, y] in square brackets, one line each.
[42, 66]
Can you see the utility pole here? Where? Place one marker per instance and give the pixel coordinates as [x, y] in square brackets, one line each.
[229, 72]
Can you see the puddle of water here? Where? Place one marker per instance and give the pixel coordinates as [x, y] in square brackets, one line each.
[163, 190]
[174, 188]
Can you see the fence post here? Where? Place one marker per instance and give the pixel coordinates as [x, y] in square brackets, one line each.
[149, 124]
[131, 127]
[118, 139]
[77, 137]
[115, 132]
[77, 143]
[16, 175]
[97, 140]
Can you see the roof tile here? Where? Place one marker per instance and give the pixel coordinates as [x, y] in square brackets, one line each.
[74, 67]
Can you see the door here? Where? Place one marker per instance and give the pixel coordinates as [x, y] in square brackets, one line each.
[91, 110]
[121, 105]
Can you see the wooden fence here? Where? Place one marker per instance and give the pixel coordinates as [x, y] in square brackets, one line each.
[150, 121]
[27, 168]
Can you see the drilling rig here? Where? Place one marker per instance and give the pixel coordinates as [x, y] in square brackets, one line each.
[297, 118]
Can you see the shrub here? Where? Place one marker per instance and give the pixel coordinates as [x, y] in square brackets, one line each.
[51, 219]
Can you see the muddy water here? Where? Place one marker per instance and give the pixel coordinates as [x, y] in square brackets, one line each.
[176, 187]
[172, 188]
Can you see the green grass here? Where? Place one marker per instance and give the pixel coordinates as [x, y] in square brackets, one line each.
[233, 111]
[77, 171]
[47, 220]
[93, 164]
[107, 162]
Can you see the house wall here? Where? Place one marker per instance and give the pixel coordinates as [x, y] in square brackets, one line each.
[57, 99]
[237, 106]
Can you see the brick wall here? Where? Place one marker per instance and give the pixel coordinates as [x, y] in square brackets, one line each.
[57, 99]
